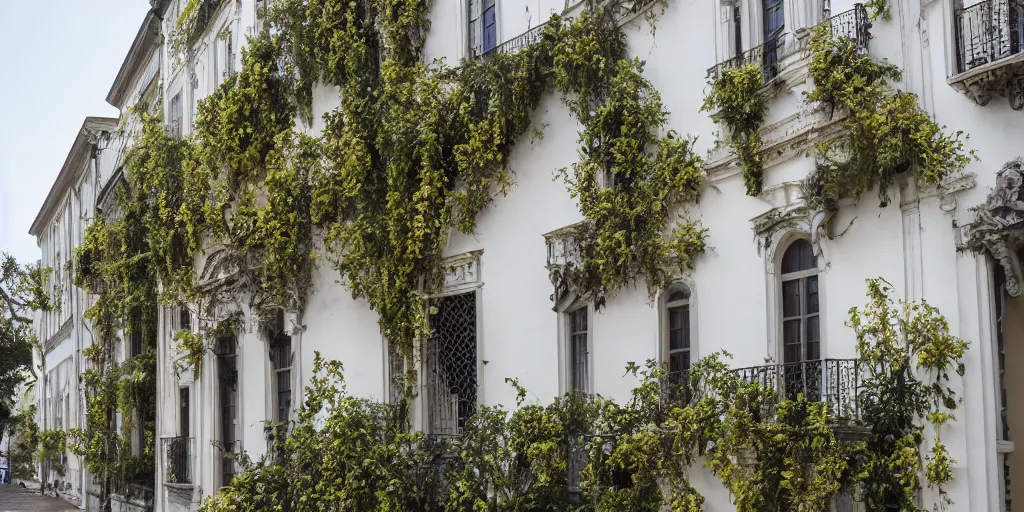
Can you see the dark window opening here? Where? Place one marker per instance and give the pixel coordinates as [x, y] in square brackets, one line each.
[452, 363]
[227, 381]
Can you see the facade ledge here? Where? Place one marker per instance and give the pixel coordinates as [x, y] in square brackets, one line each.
[782, 141]
[59, 336]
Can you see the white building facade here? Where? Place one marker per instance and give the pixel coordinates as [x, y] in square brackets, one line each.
[63, 334]
[769, 271]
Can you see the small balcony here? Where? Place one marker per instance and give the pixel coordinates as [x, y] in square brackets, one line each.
[990, 51]
[178, 456]
[853, 24]
[765, 55]
[836, 382]
[988, 32]
[512, 45]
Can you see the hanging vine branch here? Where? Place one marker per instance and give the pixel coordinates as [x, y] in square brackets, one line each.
[885, 133]
[737, 99]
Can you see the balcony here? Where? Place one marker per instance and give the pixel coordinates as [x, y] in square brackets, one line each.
[766, 56]
[512, 45]
[836, 382]
[990, 51]
[178, 456]
[853, 24]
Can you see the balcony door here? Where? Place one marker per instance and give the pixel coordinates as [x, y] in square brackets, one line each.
[801, 329]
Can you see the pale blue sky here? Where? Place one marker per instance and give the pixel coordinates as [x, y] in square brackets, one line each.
[58, 59]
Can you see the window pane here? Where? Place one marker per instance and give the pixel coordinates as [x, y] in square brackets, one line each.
[679, 362]
[791, 340]
[490, 30]
[799, 256]
[813, 329]
[677, 295]
[675, 318]
[812, 295]
[791, 298]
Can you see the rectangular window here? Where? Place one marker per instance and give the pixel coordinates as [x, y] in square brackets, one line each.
[227, 381]
[183, 417]
[184, 319]
[678, 339]
[452, 363]
[174, 116]
[483, 26]
[579, 349]
[281, 359]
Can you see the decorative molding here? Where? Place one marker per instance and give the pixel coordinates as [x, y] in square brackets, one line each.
[789, 214]
[1004, 77]
[462, 271]
[998, 227]
[782, 141]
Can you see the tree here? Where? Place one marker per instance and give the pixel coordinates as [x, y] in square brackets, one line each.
[21, 291]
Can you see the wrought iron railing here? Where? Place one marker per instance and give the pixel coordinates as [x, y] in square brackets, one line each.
[836, 382]
[515, 44]
[766, 56]
[988, 31]
[853, 24]
[178, 457]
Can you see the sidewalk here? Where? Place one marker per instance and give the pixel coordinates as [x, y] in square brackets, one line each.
[15, 499]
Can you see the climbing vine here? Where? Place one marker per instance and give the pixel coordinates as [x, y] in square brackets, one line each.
[775, 450]
[737, 99]
[885, 133]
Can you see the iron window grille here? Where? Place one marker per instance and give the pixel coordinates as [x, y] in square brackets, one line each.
[178, 456]
[452, 363]
[988, 31]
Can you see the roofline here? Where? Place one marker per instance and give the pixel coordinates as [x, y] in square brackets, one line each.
[91, 127]
[142, 47]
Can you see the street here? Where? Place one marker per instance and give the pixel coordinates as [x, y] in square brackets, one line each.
[15, 499]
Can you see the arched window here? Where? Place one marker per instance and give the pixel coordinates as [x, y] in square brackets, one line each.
[676, 339]
[801, 332]
[801, 329]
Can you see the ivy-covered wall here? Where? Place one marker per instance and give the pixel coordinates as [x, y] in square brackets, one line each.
[519, 333]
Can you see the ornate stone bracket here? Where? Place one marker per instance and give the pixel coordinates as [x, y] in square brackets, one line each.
[998, 227]
[1002, 77]
[563, 260]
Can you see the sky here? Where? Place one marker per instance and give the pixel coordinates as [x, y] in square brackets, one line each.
[58, 59]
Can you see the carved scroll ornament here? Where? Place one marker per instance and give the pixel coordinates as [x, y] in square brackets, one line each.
[999, 225]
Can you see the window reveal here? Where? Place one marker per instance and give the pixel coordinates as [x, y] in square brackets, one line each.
[451, 363]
